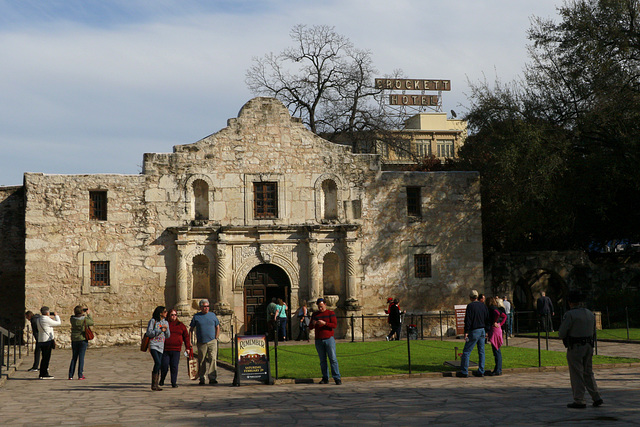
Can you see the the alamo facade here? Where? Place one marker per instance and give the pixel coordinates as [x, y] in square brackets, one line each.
[263, 208]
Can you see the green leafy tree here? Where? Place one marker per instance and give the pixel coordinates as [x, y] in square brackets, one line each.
[565, 141]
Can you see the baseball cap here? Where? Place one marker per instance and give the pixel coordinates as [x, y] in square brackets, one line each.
[319, 300]
[473, 294]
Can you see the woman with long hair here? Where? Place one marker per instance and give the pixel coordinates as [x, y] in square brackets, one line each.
[498, 318]
[303, 319]
[158, 331]
[173, 347]
[281, 317]
[79, 343]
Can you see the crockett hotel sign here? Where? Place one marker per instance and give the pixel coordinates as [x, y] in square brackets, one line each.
[413, 84]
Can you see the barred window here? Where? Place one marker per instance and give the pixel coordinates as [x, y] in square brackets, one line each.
[100, 273]
[413, 201]
[422, 263]
[265, 199]
[98, 205]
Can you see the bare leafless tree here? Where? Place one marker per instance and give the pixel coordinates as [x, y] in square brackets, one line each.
[328, 83]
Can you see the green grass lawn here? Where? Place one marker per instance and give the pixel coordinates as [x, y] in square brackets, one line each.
[388, 358]
[612, 334]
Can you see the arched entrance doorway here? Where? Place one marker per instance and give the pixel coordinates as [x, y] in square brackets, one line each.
[264, 282]
[527, 291]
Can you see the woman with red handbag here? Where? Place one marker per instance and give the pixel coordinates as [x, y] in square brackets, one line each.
[80, 321]
[173, 347]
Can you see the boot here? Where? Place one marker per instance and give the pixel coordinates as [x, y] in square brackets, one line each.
[155, 378]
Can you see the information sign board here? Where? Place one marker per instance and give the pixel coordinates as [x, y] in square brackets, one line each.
[460, 312]
[252, 358]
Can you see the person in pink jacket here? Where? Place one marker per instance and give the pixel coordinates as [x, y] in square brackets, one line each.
[498, 317]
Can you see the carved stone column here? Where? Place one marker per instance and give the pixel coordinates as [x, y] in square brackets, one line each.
[352, 300]
[314, 276]
[182, 286]
[222, 305]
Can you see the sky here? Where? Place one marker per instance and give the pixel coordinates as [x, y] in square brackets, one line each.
[89, 86]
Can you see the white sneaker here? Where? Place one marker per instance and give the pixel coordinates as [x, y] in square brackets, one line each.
[48, 377]
[33, 370]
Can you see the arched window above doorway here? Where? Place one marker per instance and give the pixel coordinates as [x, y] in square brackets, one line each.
[328, 196]
[329, 199]
[201, 199]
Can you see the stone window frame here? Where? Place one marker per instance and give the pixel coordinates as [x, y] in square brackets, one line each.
[190, 197]
[319, 208]
[429, 267]
[249, 179]
[84, 261]
[411, 268]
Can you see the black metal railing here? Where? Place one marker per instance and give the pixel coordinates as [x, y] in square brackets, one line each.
[11, 343]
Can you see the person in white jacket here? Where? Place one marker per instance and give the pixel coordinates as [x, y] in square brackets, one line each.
[46, 338]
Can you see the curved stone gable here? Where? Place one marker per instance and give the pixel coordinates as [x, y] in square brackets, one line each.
[264, 122]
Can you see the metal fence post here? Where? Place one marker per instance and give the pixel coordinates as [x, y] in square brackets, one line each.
[539, 351]
[15, 347]
[409, 349]
[353, 334]
[233, 347]
[441, 334]
[362, 316]
[626, 315]
[275, 341]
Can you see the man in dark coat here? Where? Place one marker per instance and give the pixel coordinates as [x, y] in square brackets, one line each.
[545, 310]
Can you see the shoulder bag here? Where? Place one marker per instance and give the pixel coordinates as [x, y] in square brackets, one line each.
[144, 345]
[88, 333]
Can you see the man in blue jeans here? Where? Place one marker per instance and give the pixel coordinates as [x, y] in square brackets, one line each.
[324, 322]
[476, 320]
[207, 328]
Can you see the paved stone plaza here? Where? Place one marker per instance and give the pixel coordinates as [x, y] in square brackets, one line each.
[117, 392]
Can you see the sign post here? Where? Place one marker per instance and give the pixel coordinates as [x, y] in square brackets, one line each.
[252, 359]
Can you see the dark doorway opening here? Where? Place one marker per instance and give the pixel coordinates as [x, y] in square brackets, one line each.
[264, 282]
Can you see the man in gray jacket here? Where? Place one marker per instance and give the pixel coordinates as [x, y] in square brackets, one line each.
[577, 331]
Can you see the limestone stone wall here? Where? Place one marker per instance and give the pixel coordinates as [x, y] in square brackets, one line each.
[61, 240]
[449, 229]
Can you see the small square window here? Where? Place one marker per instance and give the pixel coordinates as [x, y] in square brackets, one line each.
[100, 273]
[422, 264]
[98, 205]
[265, 199]
[414, 201]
